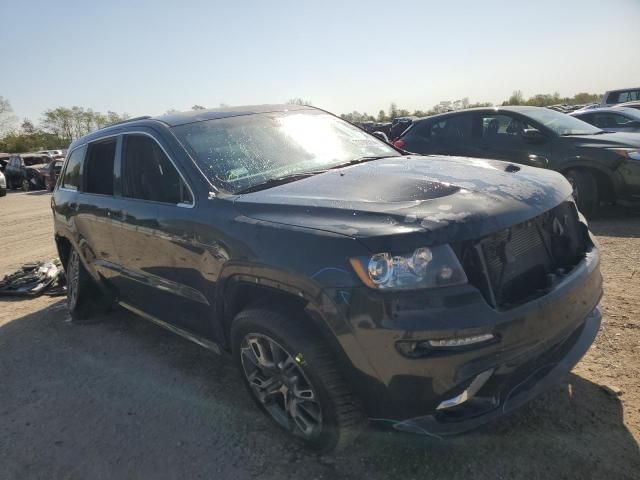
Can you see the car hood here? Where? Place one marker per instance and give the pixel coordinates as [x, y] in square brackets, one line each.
[430, 199]
[609, 139]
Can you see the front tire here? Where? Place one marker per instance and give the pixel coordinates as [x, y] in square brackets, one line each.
[585, 190]
[294, 378]
[26, 186]
[3, 192]
[84, 299]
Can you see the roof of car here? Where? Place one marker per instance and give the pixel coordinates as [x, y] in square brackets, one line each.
[508, 108]
[622, 89]
[630, 111]
[627, 104]
[182, 118]
[191, 116]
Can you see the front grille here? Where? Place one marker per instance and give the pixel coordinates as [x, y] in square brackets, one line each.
[516, 264]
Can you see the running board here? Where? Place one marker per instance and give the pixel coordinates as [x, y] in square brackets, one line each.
[203, 342]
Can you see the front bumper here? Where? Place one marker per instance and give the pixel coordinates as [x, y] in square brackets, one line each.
[539, 342]
[521, 387]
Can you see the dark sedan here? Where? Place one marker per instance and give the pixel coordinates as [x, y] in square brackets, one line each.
[617, 119]
[601, 166]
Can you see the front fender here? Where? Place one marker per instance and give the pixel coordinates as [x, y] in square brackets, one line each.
[319, 307]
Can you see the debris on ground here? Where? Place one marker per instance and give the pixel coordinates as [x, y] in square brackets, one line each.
[33, 279]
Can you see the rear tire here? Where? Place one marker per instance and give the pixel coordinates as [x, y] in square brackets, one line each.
[585, 190]
[3, 191]
[84, 299]
[271, 349]
[26, 186]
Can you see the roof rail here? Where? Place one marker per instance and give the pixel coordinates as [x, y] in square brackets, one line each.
[143, 117]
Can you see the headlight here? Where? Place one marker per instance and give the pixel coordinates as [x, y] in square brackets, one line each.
[630, 153]
[426, 267]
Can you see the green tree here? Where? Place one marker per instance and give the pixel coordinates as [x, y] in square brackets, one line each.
[7, 119]
[299, 101]
[393, 111]
[516, 98]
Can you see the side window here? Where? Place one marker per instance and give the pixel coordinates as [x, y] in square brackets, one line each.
[147, 173]
[502, 127]
[458, 126]
[609, 120]
[98, 169]
[73, 171]
[628, 96]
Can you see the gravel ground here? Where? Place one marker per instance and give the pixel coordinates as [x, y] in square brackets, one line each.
[124, 399]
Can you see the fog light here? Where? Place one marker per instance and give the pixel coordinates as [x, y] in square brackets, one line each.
[420, 348]
[459, 341]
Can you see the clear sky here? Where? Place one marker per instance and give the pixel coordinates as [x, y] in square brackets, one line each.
[145, 57]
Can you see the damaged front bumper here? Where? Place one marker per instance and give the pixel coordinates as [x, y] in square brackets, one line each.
[504, 358]
[498, 397]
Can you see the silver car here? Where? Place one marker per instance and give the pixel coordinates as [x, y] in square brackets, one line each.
[617, 119]
[3, 185]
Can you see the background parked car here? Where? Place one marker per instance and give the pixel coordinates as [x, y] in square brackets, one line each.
[26, 171]
[52, 172]
[611, 119]
[3, 185]
[635, 105]
[613, 97]
[4, 159]
[399, 125]
[52, 153]
[601, 166]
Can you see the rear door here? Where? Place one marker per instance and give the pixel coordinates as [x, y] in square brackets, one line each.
[500, 136]
[94, 202]
[160, 261]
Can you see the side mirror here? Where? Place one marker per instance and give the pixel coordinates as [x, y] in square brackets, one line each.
[381, 135]
[634, 124]
[533, 135]
[538, 161]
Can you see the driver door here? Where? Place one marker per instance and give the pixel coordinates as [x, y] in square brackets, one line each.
[501, 138]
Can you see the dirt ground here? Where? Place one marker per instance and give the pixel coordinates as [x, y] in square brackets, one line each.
[124, 399]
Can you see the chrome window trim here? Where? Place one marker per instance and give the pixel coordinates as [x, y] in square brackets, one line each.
[136, 132]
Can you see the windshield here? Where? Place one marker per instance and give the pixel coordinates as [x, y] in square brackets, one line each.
[244, 151]
[561, 123]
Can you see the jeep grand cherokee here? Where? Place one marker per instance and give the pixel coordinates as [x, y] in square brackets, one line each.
[350, 282]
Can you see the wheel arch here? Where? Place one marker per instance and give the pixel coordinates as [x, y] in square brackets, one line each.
[242, 286]
[606, 183]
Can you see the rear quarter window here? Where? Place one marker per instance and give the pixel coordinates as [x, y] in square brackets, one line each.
[73, 170]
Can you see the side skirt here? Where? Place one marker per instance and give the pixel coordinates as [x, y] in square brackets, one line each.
[203, 342]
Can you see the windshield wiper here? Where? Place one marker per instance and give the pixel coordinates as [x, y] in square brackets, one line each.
[274, 182]
[571, 134]
[358, 160]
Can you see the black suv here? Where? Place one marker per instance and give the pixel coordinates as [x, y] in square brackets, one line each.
[350, 282]
[601, 166]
